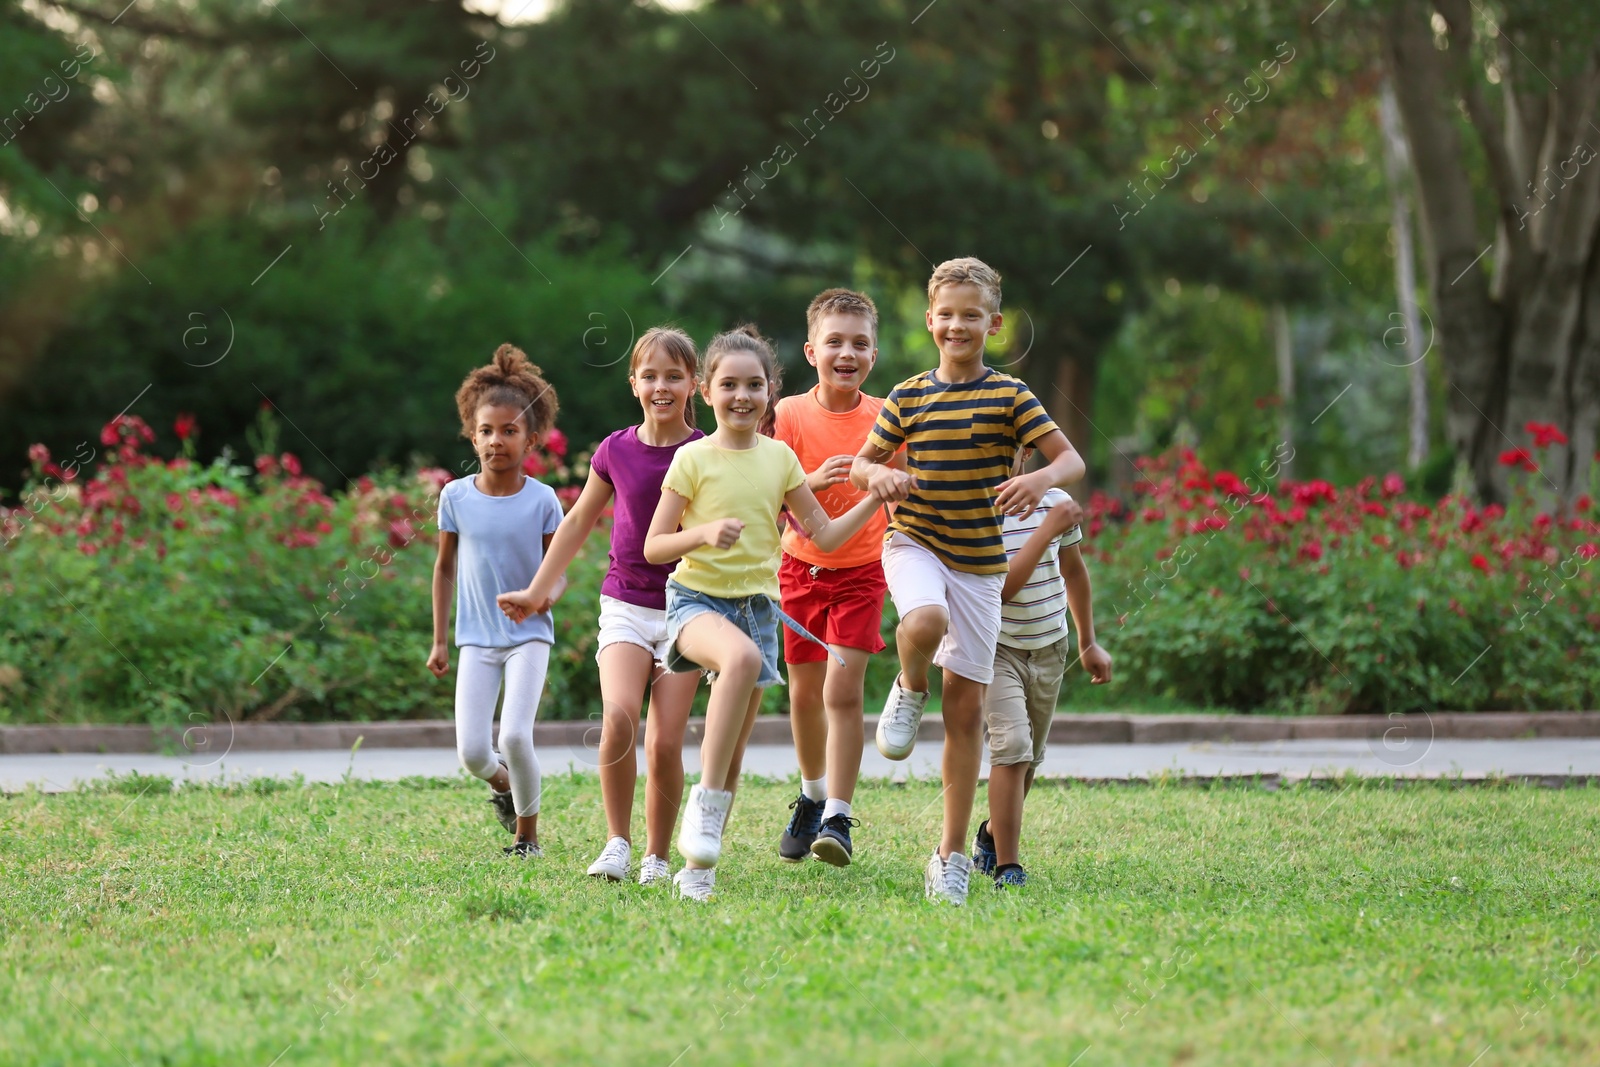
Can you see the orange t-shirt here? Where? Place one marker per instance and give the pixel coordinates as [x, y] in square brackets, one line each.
[816, 434]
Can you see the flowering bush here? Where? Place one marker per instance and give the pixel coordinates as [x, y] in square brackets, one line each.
[165, 591]
[1261, 592]
[172, 592]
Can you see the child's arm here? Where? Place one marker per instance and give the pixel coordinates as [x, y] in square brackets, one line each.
[444, 580]
[559, 551]
[1095, 660]
[873, 471]
[834, 469]
[1020, 495]
[665, 542]
[828, 534]
[1057, 521]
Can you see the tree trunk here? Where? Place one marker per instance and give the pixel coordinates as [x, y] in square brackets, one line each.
[1522, 345]
[1397, 169]
[1283, 350]
[1063, 375]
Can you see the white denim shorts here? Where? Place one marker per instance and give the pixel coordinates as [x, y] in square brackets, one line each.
[632, 624]
[918, 579]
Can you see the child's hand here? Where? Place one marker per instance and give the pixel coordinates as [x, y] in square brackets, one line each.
[890, 485]
[1097, 662]
[1063, 517]
[439, 660]
[834, 469]
[520, 604]
[722, 533]
[1019, 496]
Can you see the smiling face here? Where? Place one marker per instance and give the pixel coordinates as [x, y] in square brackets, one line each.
[737, 390]
[663, 386]
[959, 321]
[843, 350]
[500, 437]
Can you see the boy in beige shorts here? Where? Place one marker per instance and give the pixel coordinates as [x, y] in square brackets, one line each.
[1045, 579]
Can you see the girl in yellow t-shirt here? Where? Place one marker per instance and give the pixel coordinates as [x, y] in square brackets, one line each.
[719, 518]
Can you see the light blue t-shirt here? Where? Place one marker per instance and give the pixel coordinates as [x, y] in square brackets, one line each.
[501, 544]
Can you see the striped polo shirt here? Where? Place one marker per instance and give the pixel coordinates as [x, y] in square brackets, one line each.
[1037, 615]
[960, 441]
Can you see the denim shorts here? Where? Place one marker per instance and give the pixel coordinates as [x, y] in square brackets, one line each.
[755, 616]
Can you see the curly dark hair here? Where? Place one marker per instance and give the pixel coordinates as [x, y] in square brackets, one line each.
[511, 380]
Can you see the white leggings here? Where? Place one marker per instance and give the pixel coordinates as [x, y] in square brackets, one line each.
[477, 685]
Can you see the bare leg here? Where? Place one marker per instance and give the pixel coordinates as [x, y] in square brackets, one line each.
[624, 674]
[841, 694]
[963, 756]
[744, 739]
[917, 639]
[1007, 786]
[806, 718]
[718, 645]
[670, 699]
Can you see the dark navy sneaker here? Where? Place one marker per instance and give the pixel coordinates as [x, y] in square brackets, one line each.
[504, 809]
[833, 841]
[983, 857]
[1009, 876]
[795, 844]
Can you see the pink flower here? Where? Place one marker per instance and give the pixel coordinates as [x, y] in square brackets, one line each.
[266, 466]
[555, 442]
[1393, 485]
[291, 463]
[535, 465]
[174, 503]
[38, 455]
[1588, 550]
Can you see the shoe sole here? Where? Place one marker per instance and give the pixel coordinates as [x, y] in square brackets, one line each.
[608, 876]
[794, 859]
[887, 753]
[830, 851]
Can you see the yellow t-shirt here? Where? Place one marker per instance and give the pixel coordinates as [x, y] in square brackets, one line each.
[747, 484]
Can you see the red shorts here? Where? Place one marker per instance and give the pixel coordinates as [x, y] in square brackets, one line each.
[843, 607]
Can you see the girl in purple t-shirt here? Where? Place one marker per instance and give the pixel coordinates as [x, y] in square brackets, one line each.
[629, 466]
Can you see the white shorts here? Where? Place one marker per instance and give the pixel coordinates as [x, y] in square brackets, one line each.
[631, 624]
[919, 579]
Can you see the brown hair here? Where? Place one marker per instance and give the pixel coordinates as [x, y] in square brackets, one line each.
[971, 271]
[511, 380]
[746, 338]
[841, 302]
[679, 347]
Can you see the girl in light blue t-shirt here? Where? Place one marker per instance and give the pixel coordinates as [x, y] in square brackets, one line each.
[493, 531]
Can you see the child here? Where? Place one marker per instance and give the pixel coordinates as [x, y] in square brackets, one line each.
[836, 595]
[1028, 664]
[944, 561]
[500, 523]
[725, 492]
[629, 466]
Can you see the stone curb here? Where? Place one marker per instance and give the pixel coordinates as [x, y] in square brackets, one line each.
[1068, 729]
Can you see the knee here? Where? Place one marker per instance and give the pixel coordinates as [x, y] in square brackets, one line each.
[477, 758]
[743, 663]
[660, 754]
[926, 626]
[1009, 744]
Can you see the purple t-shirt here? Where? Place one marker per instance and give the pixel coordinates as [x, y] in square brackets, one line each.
[635, 470]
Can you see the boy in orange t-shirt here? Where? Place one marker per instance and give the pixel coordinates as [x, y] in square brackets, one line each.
[836, 595]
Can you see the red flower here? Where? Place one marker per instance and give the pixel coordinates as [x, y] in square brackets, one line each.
[184, 426]
[1311, 550]
[1481, 562]
[1588, 550]
[1583, 504]
[555, 442]
[535, 465]
[174, 503]
[434, 477]
[1151, 514]
[1545, 434]
[1518, 457]
[1393, 485]
[1229, 483]
[266, 466]
[291, 463]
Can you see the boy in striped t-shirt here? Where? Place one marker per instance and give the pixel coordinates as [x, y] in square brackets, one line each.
[1046, 579]
[944, 560]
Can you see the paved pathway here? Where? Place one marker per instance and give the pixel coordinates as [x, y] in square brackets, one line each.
[1440, 758]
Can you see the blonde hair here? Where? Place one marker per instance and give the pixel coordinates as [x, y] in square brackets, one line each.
[841, 302]
[747, 339]
[511, 380]
[969, 271]
[678, 347]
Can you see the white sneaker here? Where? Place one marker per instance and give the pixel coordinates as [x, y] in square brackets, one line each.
[692, 884]
[653, 869]
[897, 726]
[700, 839]
[947, 880]
[613, 862]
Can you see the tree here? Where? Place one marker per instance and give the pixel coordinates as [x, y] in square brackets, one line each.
[1521, 336]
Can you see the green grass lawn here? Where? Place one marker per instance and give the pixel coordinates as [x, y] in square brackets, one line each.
[379, 923]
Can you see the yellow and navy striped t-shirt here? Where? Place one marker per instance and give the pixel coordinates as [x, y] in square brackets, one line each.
[960, 441]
